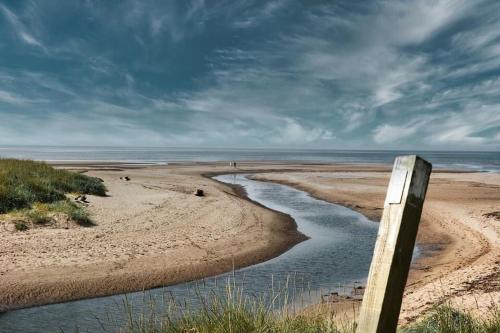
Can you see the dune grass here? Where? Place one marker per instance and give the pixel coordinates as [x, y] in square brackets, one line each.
[40, 213]
[445, 318]
[222, 318]
[234, 311]
[36, 189]
[230, 310]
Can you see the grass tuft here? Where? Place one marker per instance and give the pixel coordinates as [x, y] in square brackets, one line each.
[39, 213]
[232, 310]
[23, 183]
[74, 212]
[37, 191]
[21, 226]
[446, 319]
[227, 310]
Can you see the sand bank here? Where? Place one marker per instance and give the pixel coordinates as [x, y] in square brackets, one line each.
[150, 231]
[460, 244]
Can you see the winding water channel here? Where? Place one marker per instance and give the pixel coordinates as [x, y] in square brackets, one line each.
[339, 251]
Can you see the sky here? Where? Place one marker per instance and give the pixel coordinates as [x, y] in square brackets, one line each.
[332, 74]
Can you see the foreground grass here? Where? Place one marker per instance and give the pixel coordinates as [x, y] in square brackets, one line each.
[442, 319]
[234, 311]
[236, 314]
[36, 190]
[447, 319]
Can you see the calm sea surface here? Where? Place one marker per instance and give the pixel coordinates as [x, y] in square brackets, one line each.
[467, 160]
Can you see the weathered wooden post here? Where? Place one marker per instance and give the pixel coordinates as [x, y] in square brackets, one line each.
[394, 247]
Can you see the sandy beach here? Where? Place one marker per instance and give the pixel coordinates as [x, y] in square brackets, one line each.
[459, 243]
[152, 231]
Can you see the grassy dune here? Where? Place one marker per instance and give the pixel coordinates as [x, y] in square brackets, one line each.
[37, 190]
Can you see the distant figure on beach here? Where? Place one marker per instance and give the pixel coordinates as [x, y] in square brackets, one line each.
[232, 164]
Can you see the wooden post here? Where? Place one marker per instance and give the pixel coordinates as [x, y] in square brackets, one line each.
[394, 247]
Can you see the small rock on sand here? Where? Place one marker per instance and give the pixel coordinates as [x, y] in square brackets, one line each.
[495, 215]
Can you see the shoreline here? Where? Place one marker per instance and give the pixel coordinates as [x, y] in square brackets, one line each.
[432, 268]
[282, 236]
[456, 255]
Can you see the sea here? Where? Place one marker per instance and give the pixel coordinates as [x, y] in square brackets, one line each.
[484, 161]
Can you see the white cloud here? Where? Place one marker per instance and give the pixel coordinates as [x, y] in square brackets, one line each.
[251, 18]
[461, 128]
[30, 39]
[20, 29]
[460, 134]
[292, 132]
[481, 39]
[11, 98]
[392, 134]
[413, 22]
[464, 127]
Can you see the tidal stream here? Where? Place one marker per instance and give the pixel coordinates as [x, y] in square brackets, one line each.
[338, 251]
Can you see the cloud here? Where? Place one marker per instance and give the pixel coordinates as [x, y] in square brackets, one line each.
[255, 16]
[466, 128]
[177, 23]
[151, 21]
[11, 98]
[248, 73]
[311, 76]
[460, 134]
[19, 28]
[392, 134]
[293, 132]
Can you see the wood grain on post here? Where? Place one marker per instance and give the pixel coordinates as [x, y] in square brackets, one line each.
[394, 247]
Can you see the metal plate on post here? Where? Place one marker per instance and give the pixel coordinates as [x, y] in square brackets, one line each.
[396, 186]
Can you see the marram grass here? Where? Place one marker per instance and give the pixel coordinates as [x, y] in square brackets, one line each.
[446, 319]
[40, 213]
[233, 311]
[229, 311]
[37, 189]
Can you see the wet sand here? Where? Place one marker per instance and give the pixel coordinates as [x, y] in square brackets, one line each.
[152, 231]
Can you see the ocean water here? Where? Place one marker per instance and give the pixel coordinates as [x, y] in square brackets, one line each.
[460, 160]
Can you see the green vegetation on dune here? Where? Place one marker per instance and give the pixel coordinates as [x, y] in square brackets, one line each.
[37, 189]
[442, 319]
[40, 213]
[234, 311]
[446, 319]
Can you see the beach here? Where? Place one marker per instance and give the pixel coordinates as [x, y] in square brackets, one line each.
[152, 231]
[460, 244]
